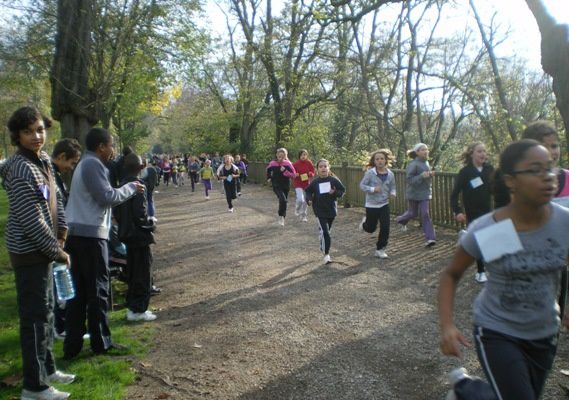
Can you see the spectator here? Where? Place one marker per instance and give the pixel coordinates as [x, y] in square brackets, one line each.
[64, 158]
[135, 230]
[88, 215]
[35, 234]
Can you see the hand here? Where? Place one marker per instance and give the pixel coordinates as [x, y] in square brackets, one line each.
[283, 169]
[332, 190]
[296, 175]
[451, 339]
[426, 174]
[377, 189]
[460, 218]
[139, 187]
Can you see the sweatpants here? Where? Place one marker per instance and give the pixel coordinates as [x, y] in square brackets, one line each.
[515, 368]
[90, 272]
[324, 226]
[419, 207]
[34, 294]
[373, 216]
[139, 261]
[282, 195]
[301, 207]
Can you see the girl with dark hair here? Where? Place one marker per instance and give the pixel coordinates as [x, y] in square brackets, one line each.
[304, 172]
[35, 233]
[525, 248]
[473, 181]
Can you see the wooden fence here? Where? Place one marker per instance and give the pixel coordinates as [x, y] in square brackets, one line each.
[441, 212]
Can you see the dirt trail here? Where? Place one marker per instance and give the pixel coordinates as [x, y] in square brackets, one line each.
[248, 311]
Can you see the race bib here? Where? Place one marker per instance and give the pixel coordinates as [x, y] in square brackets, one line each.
[303, 177]
[474, 183]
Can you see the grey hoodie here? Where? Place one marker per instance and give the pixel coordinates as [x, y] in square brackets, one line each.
[418, 187]
[91, 197]
[370, 181]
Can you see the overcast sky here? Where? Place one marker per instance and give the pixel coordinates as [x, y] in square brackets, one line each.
[524, 41]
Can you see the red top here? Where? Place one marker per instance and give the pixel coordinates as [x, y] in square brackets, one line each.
[305, 170]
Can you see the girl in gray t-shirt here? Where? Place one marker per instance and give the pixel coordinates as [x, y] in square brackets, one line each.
[516, 315]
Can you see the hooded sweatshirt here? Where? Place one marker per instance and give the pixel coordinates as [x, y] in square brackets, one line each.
[36, 219]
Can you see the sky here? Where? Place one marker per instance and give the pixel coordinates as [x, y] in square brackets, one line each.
[523, 42]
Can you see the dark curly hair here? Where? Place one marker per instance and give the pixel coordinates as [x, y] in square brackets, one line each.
[22, 118]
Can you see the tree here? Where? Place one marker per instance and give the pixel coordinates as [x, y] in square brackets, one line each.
[554, 55]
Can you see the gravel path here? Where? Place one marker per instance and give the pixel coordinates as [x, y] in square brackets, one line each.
[248, 311]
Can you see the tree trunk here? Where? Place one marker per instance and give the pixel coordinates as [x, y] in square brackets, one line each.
[71, 97]
[554, 56]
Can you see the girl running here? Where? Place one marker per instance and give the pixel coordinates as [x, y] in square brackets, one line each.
[473, 181]
[419, 192]
[516, 315]
[304, 173]
[378, 184]
[322, 193]
[279, 173]
[206, 174]
[229, 173]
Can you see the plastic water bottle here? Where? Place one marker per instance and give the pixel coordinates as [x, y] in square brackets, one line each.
[466, 387]
[63, 282]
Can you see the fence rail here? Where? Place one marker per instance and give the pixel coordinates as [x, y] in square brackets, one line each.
[441, 212]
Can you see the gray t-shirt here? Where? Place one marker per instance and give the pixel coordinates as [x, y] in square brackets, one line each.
[520, 297]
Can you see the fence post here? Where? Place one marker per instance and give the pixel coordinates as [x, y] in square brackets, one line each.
[347, 203]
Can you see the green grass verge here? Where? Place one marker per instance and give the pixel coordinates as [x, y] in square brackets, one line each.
[99, 377]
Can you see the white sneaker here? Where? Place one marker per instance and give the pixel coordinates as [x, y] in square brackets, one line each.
[304, 219]
[381, 254]
[58, 336]
[207, 197]
[361, 225]
[327, 259]
[145, 316]
[480, 277]
[430, 243]
[50, 393]
[296, 212]
[231, 210]
[403, 228]
[153, 219]
[60, 377]
[281, 221]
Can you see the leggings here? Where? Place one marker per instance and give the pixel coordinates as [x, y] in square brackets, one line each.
[282, 194]
[230, 193]
[324, 226]
[515, 368]
[300, 204]
[373, 216]
[206, 186]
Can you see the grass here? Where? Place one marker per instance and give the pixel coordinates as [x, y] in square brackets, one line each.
[98, 377]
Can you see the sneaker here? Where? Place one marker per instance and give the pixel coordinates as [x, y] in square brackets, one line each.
[327, 259]
[60, 377]
[155, 290]
[304, 219]
[381, 254]
[480, 277]
[144, 316]
[50, 393]
[153, 219]
[281, 221]
[238, 193]
[86, 337]
[296, 213]
[361, 225]
[430, 243]
[230, 210]
[207, 197]
[403, 228]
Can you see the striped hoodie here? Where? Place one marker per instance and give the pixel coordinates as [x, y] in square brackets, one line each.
[36, 217]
